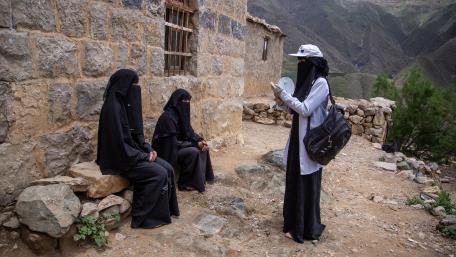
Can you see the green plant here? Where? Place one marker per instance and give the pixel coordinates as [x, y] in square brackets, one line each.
[414, 201]
[384, 87]
[449, 232]
[93, 230]
[444, 200]
[424, 122]
[116, 217]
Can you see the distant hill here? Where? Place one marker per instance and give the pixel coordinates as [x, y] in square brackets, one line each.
[367, 36]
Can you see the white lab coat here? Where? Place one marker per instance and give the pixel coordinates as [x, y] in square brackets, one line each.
[316, 105]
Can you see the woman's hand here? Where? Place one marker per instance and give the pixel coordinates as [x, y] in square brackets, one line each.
[278, 101]
[276, 89]
[153, 156]
[203, 146]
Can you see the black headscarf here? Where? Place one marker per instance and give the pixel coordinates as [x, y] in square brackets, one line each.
[118, 148]
[177, 105]
[308, 72]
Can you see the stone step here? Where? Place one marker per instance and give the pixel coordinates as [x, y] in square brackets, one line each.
[99, 185]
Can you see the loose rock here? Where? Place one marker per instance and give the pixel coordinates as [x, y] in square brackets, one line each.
[209, 224]
[386, 166]
[76, 184]
[56, 206]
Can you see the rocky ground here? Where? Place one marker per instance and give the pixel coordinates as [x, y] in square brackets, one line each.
[241, 214]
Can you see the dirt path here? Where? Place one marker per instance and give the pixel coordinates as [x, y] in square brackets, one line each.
[356, 226]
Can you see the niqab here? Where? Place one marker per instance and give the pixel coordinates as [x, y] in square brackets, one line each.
[179, 103]
[117, 150]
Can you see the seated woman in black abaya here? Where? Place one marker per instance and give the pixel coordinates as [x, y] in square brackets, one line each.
[175, 141]
[122, 151]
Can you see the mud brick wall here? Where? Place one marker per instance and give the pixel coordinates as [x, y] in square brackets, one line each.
[56, 57]
[258, 72]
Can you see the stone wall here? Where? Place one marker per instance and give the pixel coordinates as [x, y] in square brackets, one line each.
[369, 119]
[56, 57]
[258, 72]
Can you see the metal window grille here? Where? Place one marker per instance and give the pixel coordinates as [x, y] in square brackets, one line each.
[265, 48]
[178, 29]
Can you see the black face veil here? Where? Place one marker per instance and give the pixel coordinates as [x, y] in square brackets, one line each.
[308, 71]
[179, 102]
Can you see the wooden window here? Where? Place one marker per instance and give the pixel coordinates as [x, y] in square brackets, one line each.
[265, 48]
[178, 29]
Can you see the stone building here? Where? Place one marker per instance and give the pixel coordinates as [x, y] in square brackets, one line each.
[263, 56]
[56, 57]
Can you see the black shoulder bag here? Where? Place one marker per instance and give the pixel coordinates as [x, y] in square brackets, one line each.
[324, 142]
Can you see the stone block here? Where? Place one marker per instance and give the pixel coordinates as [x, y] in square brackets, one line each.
[120, 56]
[138, 58]
[356, 119]
[57, 57]
[6, 111]
[154, 8]
[73, 17]
[56, 206]
[357, 130]
[61, 150]
[90, 209]
[224, 25]
[379, 118]
[98, 59]
[33, 14]
[89, 99]
[153, 32]
[125, 26]
[100, 185]
[133, 4]
[208, 19]
[158, 61]
[59, 100]
[76, 184]
[15, 56]
[5, 14]
[99, 21]
[217, 65]
[238, 30]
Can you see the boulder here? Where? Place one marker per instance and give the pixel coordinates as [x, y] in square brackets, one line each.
[209, 224]
[76, 184]
[50, 209]
[403, 166]
[100, 185]
[386, 166]
[275, 158]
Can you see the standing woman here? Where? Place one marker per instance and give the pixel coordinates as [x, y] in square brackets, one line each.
[176, 142]
[301, 210]
[123, 151]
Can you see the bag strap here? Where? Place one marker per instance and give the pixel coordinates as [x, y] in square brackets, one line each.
[333, 102]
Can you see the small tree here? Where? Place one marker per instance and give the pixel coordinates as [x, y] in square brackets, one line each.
[384, 87]
[424, 120]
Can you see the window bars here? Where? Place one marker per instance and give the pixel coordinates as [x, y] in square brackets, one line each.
[177, 32]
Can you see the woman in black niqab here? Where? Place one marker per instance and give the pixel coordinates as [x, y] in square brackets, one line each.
[301, 209]
[175, 141]
[123, 151]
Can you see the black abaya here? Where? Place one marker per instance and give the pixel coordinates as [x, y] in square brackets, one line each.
[301, 208]
[122, 151]
[176, 142]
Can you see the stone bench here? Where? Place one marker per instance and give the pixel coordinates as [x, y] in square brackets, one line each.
[99, 185]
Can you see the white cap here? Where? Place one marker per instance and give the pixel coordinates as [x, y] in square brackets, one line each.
[308, 51]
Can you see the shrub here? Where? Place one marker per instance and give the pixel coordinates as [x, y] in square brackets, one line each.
[444, 200]
[424, 122]
[414, 201]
